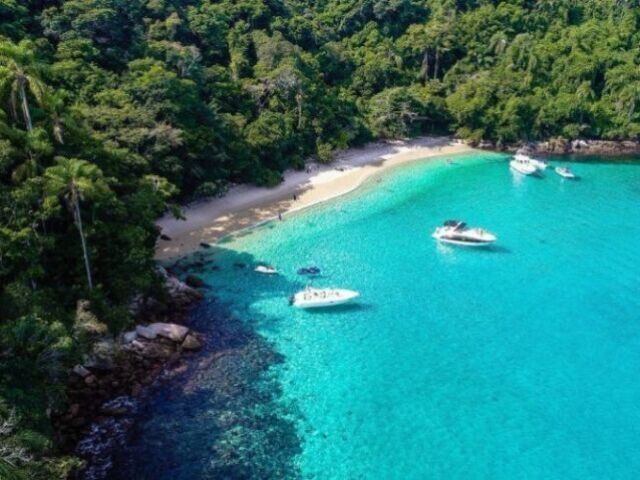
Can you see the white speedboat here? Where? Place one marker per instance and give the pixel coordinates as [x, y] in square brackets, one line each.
[523, 166]
[322, 297]
[266, 270]
[564, 172]
[457, 233]
[522, 156]
[539, 164]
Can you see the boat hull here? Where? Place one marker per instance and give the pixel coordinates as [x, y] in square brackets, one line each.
[266, 270]
[462, 243]
[346, 296]
[523, 169]
[568, 176]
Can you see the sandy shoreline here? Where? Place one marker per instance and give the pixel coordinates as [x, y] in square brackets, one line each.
[247, 205]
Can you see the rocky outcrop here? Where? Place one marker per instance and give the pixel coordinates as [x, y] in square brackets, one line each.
[180, 294]
[194, 281]
[115, 370]
[586, 147]
[179, 298]
[191, 342]
[562, 146]
[136, 361]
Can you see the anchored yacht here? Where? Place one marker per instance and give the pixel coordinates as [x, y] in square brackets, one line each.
[523, 166]
[457, 233]
[322, 297]
[564, 172]
[539, 164]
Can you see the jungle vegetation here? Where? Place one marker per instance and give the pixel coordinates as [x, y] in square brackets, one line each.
[111, 111]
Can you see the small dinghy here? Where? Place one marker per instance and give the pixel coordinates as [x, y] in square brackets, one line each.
[309, 271]
[564, 172]
[266, 270]
[322, 297]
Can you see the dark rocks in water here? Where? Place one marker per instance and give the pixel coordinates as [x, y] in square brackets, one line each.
[117, 407]
[152, 350]
[226, 399]
[164, 237]
[205, 245]
[309, 271]
[240, 265]
[194, 281]
[97, 395]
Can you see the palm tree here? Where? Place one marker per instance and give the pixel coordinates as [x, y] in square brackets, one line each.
[73, 180]
[20, 73]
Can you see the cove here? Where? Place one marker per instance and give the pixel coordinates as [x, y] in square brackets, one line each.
[517, 361]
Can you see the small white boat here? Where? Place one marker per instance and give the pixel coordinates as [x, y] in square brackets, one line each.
[457, 233]
[523, 166]
[322, 297]
[266, 270]
[564, 172]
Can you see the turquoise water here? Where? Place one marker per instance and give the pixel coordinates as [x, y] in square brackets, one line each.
[519, 361]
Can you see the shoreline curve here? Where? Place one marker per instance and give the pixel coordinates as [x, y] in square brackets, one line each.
[247, 206]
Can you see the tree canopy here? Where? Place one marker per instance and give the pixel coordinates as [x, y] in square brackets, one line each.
[112, 109]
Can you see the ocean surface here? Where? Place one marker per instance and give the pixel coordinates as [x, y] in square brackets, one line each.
[520, 361]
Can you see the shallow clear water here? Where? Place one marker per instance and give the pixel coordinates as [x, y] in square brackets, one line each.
[519, 361]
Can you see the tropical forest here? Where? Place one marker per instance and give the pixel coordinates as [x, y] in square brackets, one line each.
[116, 112]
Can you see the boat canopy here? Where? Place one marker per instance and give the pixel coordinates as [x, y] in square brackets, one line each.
[455, 223]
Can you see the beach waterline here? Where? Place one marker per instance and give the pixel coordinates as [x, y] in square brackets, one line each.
[246, 206]
[517, 361]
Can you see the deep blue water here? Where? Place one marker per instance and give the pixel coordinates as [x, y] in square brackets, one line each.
[519, 361]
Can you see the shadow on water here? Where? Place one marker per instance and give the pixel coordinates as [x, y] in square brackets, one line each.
[497, 249]
[220, 415]
[349, 308]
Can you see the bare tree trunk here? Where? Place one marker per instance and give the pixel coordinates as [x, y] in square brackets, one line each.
[78, 222]
[299, 102]
[425, 65]
[437, 65]
[57, 129]
[25, 106]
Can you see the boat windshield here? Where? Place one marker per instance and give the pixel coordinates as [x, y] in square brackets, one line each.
[456, 224]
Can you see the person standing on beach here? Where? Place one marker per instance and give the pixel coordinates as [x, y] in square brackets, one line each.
[295, 197]
[279, 216]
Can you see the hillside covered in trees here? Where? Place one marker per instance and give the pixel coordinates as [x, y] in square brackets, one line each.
[110, 110]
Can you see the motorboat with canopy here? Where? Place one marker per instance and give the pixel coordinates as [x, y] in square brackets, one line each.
[456, 232]
[322, 297]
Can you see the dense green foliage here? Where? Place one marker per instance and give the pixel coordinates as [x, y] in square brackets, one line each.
[111, 108]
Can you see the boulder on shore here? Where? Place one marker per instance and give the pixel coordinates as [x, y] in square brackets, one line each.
[180, 294]
[172, 331]
[191, 342]
[146, 332]
[128, 337]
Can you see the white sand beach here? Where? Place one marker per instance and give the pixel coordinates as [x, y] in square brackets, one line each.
[247, 205]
